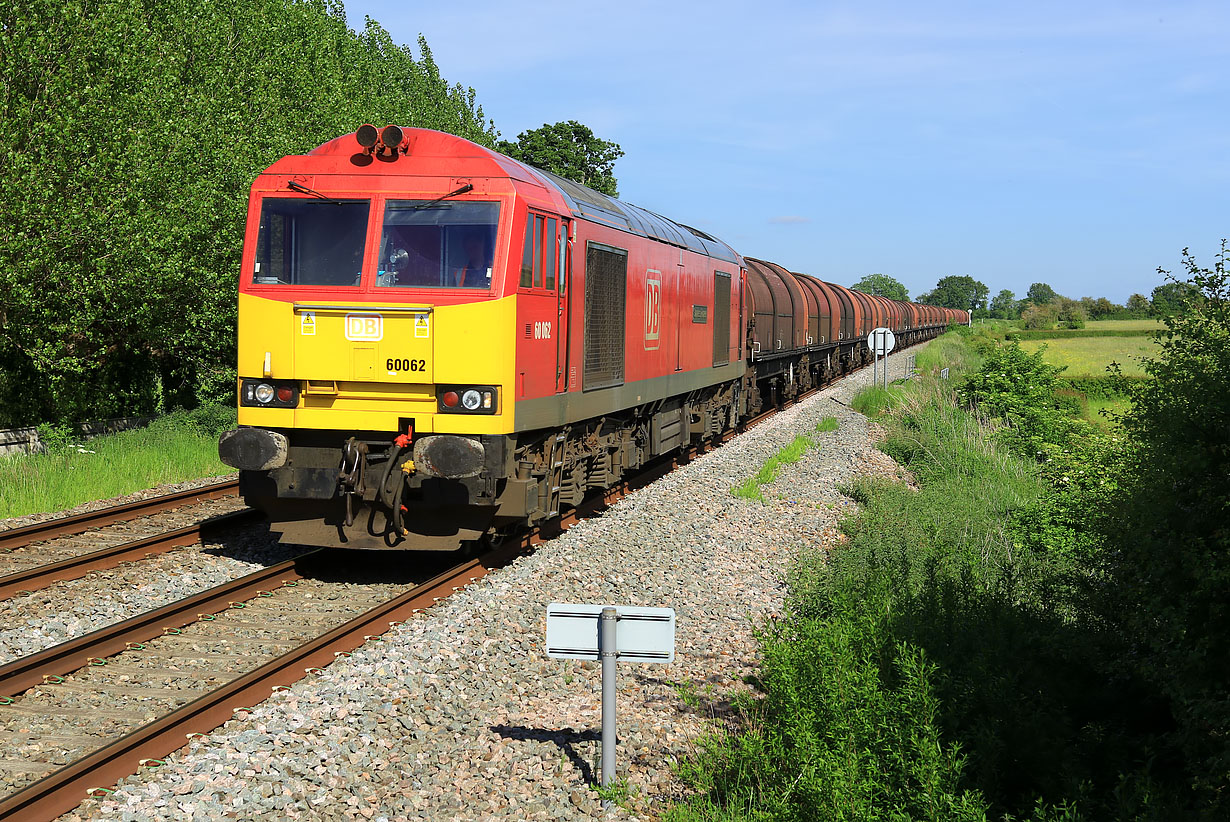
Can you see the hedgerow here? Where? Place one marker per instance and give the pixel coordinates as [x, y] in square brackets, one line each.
[130, 133]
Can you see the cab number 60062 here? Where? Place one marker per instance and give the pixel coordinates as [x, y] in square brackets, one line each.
[407, 365]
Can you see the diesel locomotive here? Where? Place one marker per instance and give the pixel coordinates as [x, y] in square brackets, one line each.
[438, 343]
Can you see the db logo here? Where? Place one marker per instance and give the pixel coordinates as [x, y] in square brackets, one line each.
[653, 312]
[369, 327]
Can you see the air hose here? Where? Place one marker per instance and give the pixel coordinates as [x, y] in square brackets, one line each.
[384, 478]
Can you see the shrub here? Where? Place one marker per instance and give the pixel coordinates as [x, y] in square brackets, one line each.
[1168, 575]
[1019, 389]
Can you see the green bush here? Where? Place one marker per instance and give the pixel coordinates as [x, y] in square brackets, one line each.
[1167, 569]
[1019, 389]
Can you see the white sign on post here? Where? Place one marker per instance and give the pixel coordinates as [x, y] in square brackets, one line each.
[642, 634]
[608, 633]
[881, 341]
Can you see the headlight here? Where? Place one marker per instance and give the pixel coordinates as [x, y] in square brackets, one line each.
[467, 399]
[269, 393]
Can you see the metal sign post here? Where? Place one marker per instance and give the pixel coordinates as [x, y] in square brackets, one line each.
[880, 341]
[609, 633]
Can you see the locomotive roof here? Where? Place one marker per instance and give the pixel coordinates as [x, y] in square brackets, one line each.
[584, 202]
[593, 205]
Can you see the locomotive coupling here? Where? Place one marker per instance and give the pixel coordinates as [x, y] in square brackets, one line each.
[253, 449]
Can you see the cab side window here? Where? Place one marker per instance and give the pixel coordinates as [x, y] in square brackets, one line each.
[542, 258]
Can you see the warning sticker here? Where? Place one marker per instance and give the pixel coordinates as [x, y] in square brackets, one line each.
[307, 325]
[421, 327]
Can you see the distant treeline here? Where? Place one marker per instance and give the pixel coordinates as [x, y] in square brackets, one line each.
[130, 132]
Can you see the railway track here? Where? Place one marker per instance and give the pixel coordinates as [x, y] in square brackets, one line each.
[17, 538]
[187, 649]
[90, 711]
[74, 567]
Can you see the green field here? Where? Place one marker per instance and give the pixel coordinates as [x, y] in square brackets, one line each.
[1123, 325]
[1089, 357]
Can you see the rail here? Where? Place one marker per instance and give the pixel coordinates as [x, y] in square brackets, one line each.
[63, 526]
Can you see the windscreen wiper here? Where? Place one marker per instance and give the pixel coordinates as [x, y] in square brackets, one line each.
[429, 203]
[302, 189]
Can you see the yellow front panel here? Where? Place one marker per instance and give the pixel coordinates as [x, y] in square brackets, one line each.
[346, 356]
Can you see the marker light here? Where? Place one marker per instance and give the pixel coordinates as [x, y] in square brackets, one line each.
[264, 393]
[449, 398]
[366, 135]
[471, 400]
[285, 394]
[391, 136]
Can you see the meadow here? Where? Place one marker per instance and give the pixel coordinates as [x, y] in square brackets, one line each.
[1123, 325]
[1090, 356]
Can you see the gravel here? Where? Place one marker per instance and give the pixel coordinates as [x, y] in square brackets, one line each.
[459, 714]
[70, 609]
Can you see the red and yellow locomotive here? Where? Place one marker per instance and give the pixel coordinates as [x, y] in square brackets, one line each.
[437, 342]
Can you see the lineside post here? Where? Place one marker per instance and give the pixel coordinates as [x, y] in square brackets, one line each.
[606, 650]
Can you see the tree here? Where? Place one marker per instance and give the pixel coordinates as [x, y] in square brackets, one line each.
[964, 293]
[882, 285]
[1071, 313]
[1040, 294]
[570, 150]
[1173, 298]
[1168, 575]
[128, 142]
[1138, 304]
[1004, 305]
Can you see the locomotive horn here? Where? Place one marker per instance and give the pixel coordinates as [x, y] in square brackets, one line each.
[391, 136]
[366, 135]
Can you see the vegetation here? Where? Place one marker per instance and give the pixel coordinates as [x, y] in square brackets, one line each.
[1091, 356]
[792, 453]
[570, 150]
[129, 135]
[177, 447]
[964, 293]
[882, 285]
[1039, 632]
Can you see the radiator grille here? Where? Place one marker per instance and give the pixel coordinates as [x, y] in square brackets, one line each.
[606, 275]
[721, 318]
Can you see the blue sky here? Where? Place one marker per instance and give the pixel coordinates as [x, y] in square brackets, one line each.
[1078, 144]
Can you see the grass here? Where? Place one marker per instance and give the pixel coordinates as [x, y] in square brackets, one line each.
[1123, 325]
[1090, 357]
[174, 448]
[792, 453]
[750, 488]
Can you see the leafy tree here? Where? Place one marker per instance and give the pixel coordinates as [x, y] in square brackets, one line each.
[1004, 305]
[1071, 313]
[1040, 294]
[962, 292]
[129, 140]
[1099, 308]
[1138, 304]
[1043, 315]
[882, 285]
[570, 150]
[1169, 571]
[1172, 298]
